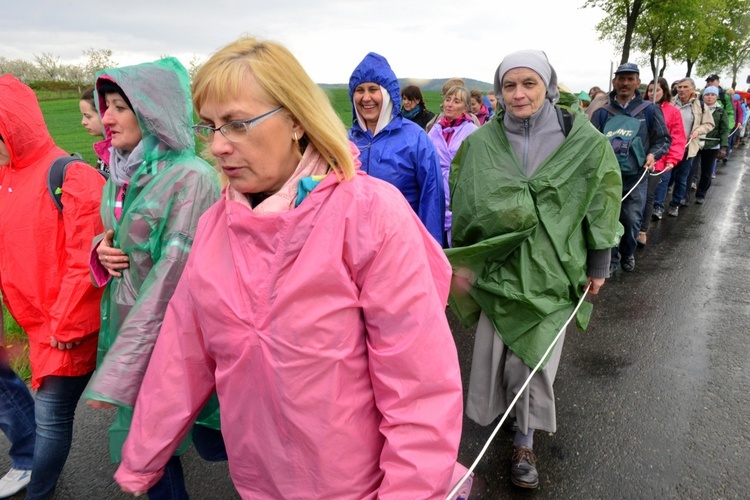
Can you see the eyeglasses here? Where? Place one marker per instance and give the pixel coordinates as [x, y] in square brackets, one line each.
[233, 131]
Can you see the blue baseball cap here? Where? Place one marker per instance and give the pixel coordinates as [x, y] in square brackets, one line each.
[628, 68]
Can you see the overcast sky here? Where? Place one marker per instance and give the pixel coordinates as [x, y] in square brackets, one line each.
[429, 39]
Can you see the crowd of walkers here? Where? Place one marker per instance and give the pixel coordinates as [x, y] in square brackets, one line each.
[287, 313]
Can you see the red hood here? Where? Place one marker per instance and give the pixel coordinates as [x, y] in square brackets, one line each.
[22, 124]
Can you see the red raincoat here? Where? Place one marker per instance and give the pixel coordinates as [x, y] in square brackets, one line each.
[44, 254]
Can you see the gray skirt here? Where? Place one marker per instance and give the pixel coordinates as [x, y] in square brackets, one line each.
[496, 377]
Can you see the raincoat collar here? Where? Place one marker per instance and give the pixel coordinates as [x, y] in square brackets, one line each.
[22, 124]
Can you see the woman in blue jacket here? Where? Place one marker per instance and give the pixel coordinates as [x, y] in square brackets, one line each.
[391, 148]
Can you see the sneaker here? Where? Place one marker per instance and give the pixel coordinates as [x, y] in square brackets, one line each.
[628, 264]
[658, 213]
[14, 481]
[673, 211]
[641, 239]
[693, 186]
[699, 201]
[713, 176]
[523, 471]
[684, 202]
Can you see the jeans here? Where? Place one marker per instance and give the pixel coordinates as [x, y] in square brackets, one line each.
[660, 195]
[648, 208]
[681, 175]
[631, 213]
[708, 164]
[16, 415]
[56, 401]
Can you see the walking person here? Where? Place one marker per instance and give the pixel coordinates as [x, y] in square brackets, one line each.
[697, 122]
[16, 422]
[393, 148]
[638, 135]
[414, 108]
[715, 143]
[157, 190]
[660, 94]
[93, 124]
[337, 377]
[535, 197]
[44, 267]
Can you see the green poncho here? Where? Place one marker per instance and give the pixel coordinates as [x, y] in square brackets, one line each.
[164, 199]
[522, 242]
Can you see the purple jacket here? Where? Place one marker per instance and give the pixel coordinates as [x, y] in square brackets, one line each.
[446, 152]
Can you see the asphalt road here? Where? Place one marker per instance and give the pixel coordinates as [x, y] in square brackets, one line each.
[653, 400]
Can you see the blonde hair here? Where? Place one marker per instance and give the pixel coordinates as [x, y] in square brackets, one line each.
[463, 94]
[284, 81]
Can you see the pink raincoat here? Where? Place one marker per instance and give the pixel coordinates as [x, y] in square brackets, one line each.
[323, 331]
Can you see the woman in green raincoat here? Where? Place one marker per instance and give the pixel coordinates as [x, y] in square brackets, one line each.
[535, 198]
[157, 191]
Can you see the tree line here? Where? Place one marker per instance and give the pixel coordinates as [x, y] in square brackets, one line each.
[710, 36]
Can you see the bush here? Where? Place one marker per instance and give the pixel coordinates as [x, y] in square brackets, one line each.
[53, 86]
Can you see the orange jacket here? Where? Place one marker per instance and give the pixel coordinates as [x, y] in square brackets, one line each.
[44, 269]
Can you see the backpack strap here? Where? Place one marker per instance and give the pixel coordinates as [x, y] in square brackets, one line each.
[565, 118]
[56, 176]
[645, 107]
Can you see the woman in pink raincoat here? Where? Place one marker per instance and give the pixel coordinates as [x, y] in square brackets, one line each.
[312, 302]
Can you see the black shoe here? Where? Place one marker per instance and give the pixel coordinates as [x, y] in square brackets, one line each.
[628, 264]
[613, 269]
[523, 468]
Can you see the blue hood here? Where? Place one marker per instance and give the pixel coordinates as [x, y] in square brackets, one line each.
[375, 68]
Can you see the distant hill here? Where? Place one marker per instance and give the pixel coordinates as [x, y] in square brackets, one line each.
[424, 84]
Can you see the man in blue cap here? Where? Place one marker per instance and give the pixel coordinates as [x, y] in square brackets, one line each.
[639, 137]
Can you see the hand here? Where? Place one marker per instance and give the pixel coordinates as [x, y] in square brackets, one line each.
[596, 284]
[722, 154]
[693, 135]
[668, 167]
[649, 162]
[100, 405]
[63, 345]
[113, 259]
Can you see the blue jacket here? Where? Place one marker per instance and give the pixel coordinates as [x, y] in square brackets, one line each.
[401, 153]
[653, 130]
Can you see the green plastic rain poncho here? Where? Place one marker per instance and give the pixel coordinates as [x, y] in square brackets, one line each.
[164, 199]
[522, 242]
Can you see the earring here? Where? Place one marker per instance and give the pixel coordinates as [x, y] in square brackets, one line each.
[294, 136]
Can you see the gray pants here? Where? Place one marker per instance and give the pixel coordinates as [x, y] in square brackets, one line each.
[497, 376]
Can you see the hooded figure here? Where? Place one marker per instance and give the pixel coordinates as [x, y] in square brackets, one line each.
[44, 272]
[396, 150]
[152, 202]
[535, 212]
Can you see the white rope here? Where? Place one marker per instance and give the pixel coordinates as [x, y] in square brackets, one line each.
[520, 392]
[645, 171]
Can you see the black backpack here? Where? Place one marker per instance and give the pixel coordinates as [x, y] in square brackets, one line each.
[56, 176]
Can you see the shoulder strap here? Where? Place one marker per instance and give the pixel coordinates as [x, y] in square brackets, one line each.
[56, 176]
[565, 118]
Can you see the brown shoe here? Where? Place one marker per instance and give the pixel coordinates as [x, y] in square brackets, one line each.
[641, 239]
[523, 468]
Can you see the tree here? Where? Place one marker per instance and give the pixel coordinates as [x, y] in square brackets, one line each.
[23, 70]
[612, 28]
[730, 51]
[48, 65]
[97, 60]
[194, 65]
